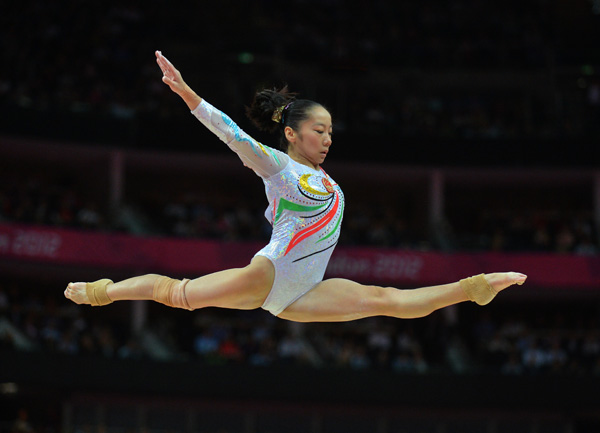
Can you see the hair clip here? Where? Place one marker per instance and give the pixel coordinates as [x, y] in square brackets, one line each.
[276, 117]
[278, 113]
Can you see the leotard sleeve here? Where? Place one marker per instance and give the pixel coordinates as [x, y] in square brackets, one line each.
[264, 160]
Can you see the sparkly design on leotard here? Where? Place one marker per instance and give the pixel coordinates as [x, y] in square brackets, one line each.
[262, 159]
[305, 209]
[317, 225]
[305, 185]
[242, 138]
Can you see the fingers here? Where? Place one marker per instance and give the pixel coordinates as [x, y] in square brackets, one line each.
[160, 59]
[165, 65]
[171, 75]
[169, 82]
[165, 60]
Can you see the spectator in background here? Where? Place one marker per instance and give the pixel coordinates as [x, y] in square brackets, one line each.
[22, 424]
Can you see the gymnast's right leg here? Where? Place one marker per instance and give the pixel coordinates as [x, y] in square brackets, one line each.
[241, 288]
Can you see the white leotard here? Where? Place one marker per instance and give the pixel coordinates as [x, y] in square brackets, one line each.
[305, 209]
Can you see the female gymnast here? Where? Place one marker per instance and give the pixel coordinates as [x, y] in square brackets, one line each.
[305, 210]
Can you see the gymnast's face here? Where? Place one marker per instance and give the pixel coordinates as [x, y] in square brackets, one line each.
[310, 144]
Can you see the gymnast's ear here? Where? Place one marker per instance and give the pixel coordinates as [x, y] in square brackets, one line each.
[290, 134]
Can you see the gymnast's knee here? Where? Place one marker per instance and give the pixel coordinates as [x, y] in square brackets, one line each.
[171, 292]
[379, 302]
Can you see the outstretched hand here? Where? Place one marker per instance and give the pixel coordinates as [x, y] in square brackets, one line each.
[171, 76]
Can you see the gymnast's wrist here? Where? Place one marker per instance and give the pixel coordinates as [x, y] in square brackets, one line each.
[190, 97]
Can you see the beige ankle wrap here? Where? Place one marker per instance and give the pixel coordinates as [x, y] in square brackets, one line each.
[478, 289]
[171, 292]
[96, 292]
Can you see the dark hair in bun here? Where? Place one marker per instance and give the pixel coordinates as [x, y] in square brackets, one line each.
[272, 110]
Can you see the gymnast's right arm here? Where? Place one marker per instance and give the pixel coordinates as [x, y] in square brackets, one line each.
[262, 159]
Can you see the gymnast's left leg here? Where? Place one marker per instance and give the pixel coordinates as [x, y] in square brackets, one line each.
[339, 300]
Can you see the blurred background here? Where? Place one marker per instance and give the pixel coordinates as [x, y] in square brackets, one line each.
[466, 141]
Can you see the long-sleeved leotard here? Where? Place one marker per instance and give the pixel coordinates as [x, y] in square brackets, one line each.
[305, 209]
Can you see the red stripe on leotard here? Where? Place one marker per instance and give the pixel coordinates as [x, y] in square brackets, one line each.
[303, 234]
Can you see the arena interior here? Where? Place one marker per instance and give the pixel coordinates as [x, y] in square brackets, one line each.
[466, 141]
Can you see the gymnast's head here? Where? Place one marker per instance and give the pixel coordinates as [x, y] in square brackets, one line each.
[278, 111]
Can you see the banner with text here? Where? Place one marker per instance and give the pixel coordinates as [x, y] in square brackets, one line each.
[195, 257]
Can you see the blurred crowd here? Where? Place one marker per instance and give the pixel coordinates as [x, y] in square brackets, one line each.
[501, 339]
[35, 199]
[560, 231]
[41, 199]
[64, 203]
[98, 60]
[379, 224]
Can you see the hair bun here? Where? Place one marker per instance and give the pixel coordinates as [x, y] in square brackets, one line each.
[267, 106]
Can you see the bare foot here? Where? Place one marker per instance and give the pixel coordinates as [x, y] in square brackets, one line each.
[501, 280]
[76, 292]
